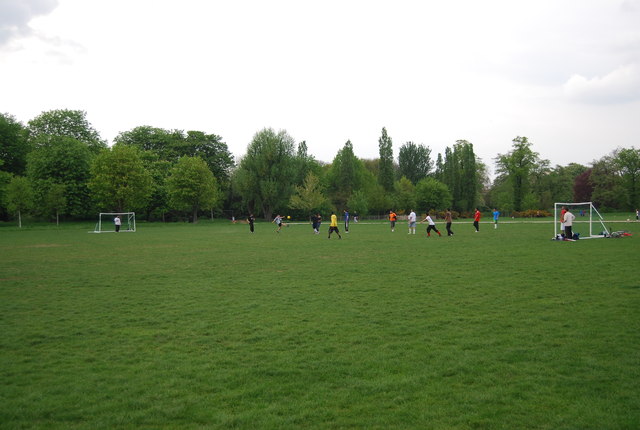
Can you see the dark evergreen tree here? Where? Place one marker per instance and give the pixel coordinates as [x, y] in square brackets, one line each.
[386, 175]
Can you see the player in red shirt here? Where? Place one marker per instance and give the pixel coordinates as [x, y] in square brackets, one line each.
[476, 220]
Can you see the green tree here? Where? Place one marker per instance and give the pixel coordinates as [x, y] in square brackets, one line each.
[439, 171]
[628, 162]
[266, 173]
[14, 146]
[405, 193]
[358, 203]
[345, 175]
[171, 145]
[55, 200]
[517, 166]
[5, 178]
[19, 196]
[432, 194]
[304, 164]
[461, 172]
[192, 186]
[65, 123]
[119, 180]
[309, 196]
[414, 161]
[66, 161]
[608, 189]
[386, 175]
[159, 170]
[156, 140]
[550, 185]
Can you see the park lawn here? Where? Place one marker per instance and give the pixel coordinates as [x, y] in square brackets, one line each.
[209, 326]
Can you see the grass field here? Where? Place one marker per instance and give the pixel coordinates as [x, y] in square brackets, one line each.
[207, 326]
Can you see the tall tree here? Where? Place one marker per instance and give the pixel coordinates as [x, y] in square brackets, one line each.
[19, 196]
[304, 164]
[582, 187]
[345, 175]
[405, 193]
[439, 172]
[14, 146]
[608, 187]
[55, 201]
[461, 172]
[517, 166]
[212, 150]
[414, 162]
[170, 145]
[65, 123]
[265, 174]
[192, 186]
[309, 196]
[432, 194]
[628, 162]
[66, 161]
[386, 175]
[468, 175]
[119, 180]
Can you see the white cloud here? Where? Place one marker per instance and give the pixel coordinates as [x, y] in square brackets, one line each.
[429, 72]
[619, 86]
[15, 16]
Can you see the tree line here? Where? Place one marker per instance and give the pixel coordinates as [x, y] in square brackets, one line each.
[57, 165]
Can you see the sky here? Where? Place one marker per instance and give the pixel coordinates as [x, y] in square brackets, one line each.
[565, 74]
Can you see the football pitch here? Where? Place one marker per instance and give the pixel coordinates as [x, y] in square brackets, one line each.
[208, 326]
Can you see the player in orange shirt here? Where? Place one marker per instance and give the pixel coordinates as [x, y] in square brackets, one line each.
[392, 219]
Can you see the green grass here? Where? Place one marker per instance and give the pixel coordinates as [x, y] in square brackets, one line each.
[208, 326]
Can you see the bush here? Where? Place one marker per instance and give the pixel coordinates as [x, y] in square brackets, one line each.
[532, 213]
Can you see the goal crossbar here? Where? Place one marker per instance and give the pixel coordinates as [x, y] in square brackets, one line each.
[127, 219]
[593, 213]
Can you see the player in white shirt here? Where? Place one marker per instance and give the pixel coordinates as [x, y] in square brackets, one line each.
[412, 222]
[568, 224]
[432, 225]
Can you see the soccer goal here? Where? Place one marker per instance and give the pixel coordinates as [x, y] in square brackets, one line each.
[586, 216]
[106, 222]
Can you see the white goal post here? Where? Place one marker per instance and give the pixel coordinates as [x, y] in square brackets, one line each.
[106, 222]
[586, 209]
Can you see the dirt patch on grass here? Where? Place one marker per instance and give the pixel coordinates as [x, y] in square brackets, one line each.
[45, 245]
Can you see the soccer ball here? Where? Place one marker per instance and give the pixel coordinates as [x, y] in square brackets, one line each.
[288, 216]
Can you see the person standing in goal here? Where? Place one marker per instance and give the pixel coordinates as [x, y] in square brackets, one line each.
[117, 222]
[334, 226]
[496, 215]
[432, 225]
[568, 224]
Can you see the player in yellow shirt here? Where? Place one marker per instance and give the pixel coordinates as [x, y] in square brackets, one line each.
[334, 225]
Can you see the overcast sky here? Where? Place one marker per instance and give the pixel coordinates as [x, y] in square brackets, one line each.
[565, 74]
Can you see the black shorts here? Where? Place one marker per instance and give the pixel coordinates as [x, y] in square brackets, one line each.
[334, 229]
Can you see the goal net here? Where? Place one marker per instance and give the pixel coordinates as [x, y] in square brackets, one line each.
[588, 220]
[106, 222]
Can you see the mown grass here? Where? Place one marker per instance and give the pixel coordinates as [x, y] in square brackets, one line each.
[208, 326]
